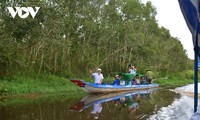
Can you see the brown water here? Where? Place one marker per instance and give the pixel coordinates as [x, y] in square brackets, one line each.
[136, 105]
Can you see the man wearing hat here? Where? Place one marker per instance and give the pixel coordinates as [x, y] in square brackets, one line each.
[98, 76]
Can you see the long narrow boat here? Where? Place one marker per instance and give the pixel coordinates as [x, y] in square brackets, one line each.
[106, 88]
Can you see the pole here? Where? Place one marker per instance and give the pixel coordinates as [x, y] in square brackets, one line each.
[196, 75]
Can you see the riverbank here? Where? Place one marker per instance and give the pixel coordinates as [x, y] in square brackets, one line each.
[173, 82]
[40, 84]
[29, 84]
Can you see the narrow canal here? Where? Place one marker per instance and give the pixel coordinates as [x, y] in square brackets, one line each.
[153, 104]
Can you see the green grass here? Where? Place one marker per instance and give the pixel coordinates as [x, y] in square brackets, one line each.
[24, 84]
[173, 81]
[177, 79]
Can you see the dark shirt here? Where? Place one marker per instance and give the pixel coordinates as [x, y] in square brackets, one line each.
[116, 82]
[134, 82]
[143, 82]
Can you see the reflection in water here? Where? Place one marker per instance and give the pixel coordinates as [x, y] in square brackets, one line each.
[130, 102]
[123, 101]
[96, 110]
[138, 105]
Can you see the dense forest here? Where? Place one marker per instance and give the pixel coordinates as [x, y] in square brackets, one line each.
[69, 37]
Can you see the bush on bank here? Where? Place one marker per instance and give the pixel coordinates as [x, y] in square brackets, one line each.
[24, 84]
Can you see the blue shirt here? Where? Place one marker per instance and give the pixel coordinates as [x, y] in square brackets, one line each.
[116, 82]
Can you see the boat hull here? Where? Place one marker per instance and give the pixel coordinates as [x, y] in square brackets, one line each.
[104, 88]
[94, 89]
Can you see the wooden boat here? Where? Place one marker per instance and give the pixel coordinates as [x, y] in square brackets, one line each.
[106, 97]
[106, 88]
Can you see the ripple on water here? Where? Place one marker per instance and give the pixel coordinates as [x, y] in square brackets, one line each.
[180, 109]
[188, 88]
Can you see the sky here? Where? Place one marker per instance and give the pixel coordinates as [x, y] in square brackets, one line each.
[170, 17]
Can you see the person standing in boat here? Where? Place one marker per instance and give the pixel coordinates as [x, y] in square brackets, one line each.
[132, 69]
[98, 76]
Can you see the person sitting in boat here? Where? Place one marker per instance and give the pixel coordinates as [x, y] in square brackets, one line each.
[117, 80]
[149, 76]
[98, 76]
[136, 80]
[143, 81]
[132, 69]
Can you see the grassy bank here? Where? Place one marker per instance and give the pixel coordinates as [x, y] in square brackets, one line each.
[177, 79]
[36, 84]
[173, 82]
[24, 84]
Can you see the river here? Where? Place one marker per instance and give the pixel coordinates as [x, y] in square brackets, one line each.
[153, 104]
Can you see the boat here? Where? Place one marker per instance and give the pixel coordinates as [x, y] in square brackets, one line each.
[92, 99]
[107, 88]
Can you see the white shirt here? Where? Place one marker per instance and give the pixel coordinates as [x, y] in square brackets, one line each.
[97, 77]
[132, 71]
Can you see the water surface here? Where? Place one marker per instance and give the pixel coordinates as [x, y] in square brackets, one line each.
[157, 104]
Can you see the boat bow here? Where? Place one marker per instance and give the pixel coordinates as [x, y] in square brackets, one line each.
[80, 83]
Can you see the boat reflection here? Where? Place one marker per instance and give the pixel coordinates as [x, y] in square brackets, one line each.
[128, 100]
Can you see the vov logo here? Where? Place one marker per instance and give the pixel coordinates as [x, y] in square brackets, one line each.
[20, 10]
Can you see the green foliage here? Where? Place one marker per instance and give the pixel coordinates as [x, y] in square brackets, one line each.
[188, 74]
[177, 79]
[3, 88]
[22, 84]
[67, 38]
